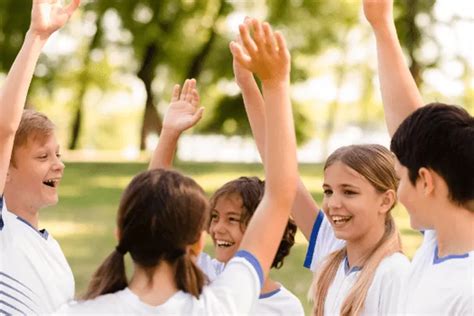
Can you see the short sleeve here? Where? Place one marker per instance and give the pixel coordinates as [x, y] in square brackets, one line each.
[322, 242]
[238, 286]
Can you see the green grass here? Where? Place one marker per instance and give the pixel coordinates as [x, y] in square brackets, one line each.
[84, 220]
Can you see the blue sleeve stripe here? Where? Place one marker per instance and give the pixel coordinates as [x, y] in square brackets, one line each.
[1, 207]
[312, 239]
[15, 299]
[13, 279]
[253, 261]
[16, 290]
[12, 307]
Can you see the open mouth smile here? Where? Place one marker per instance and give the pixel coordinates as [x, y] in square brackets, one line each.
[51, 183]
[224, 243]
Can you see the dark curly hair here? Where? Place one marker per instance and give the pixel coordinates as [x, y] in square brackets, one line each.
[251, 190]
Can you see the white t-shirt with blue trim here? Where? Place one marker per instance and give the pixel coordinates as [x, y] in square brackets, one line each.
[382, 297]
[35, 277]
[234, 292]
[278, 302]
[439, 286]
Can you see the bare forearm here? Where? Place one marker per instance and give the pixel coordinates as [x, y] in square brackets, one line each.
[15, 88]
[400, 94]
[164, 152]
[304, 209]
[255, 108]
[280, 143]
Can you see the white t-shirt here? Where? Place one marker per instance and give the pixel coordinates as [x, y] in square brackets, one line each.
[386, 285]
[34, 274]
[439, 286]
[232, 293]
[278, 302]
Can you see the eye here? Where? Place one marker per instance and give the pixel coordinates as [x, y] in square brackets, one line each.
[327, 192]
[58, 155]
[214, 217]
[350, 192]
[42, 156]
[234, 219]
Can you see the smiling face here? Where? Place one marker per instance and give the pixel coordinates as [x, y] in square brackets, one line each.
[355, 209]
[35, 175]
[226, 227]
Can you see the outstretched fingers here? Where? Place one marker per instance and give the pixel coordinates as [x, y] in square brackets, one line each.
[282, 49]
[240, 56]
[175, 96]
[72, 7]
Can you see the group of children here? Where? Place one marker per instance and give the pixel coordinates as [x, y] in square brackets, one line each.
[354, 245]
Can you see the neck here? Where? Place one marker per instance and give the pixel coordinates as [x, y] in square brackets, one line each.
[359, 249]
[269, 285]
[15, 206]
[454, 227]
[156, 287]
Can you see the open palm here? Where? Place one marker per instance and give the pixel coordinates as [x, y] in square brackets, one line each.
[47, 16]
[183, 111]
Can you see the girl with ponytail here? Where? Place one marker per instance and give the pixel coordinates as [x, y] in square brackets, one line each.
[354, 245]
[163, 215]
[359, 265]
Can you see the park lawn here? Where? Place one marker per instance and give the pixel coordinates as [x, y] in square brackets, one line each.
[84, 220]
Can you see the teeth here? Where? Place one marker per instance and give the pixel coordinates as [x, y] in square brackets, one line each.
[224, 243]
[340, 219]
[51, 182]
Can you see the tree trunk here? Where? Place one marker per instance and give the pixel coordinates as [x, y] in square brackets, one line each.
[151, 122]
[84, 80]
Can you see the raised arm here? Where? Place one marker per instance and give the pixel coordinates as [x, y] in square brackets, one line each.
[304, 209]
[46, 18]
[183, 113]
[400, 94]
[269, 58]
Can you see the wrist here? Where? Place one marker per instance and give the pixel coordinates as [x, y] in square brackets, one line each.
[170, 132]
[383, 27]
[35, 37]
[275, 83]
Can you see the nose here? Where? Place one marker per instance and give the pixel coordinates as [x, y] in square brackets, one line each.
[333, 201]
[58, 164]
[217, 226]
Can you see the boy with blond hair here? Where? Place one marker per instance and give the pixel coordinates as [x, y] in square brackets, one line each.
[35, 277]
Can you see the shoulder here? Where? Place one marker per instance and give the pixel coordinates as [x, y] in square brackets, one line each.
[109, 303]
[394, 264]
[282, 302]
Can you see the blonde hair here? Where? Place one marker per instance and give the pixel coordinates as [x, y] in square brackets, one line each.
[376, 164]
[33, 126]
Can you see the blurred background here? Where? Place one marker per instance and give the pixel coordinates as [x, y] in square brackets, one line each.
[106, 80]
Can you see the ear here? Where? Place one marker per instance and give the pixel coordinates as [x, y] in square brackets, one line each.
[426, 179]
[389, 198]
[198, 246]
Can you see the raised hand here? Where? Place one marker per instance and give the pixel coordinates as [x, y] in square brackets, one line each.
[265, 54]
[378, 12]
[183, 111]
[243, 76]
[47, 16]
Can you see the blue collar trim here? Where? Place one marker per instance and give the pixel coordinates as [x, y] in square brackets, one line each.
[348, 269]
[43, 232]
[437, 260]
[268, 294]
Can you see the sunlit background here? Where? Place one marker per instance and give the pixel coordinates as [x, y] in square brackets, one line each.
[93, 78]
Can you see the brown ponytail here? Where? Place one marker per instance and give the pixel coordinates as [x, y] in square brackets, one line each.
[108, 278]
[161, 214]
[189, 278]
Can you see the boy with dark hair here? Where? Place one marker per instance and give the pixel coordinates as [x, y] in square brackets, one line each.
[434, 145]
[34, 275]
